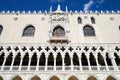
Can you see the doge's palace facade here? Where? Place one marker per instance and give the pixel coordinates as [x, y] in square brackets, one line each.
[60, 45]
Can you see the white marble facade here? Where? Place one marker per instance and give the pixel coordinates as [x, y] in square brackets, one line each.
[60, 45]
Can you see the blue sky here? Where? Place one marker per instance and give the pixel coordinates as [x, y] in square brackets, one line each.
[72, 5]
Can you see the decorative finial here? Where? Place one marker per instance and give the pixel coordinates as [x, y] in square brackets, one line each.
[66, 9]
[58, 8]
[50, 8]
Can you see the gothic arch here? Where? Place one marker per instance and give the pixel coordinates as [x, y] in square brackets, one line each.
[117, 59]
[109, 63]
[92, 60]
[100, 60]
[1, 78]
[17, 78]
[54, 78]
[73, 78]
[67, 60]
[51, 60]
[2, 58]
[110, 78]
[84, 59]
[58, 31]
[59, 60]
[42, 59]
[75, 60]
[17, 60]
[9, 59]
[25, 59]
[35, 78]
[91, 78]
[34, 60]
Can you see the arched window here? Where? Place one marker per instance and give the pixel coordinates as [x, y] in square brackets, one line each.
[88, 31]
[1, 29]
[58, 31]
[79, 20]
[93, 20]
[29, 31]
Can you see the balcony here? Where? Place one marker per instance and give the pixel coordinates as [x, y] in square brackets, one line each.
[58, 39]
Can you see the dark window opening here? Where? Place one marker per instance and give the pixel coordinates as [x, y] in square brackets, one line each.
[79, 20]
[1, 29]
[29, 31]
[93, 20]
[58, 31]
[88, 31]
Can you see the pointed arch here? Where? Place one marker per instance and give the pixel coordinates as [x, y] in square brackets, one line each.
[1, 78]
[84, 60]
[92, 60]
[2, 58]
[35, 78]
[58, 31]
[51, 60]
[54, 78]
[1, 29]
[59, 60]
[42, 60]
[75, 60]
[110, 78]
[108, 60]
[73, 78]
[9, 59]
[117, 59]
[17, 78]
[88, 31]
[17, 60]
[25, 60]
[34, 60]
[91, 78]
[100, 60]
[29, 31]
[67, 60]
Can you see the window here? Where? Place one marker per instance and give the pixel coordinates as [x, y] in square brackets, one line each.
[119, 27]
[1, 28]
[58, 31]
[88, 31]
[92, 20]
[29, 31]
[79, 20]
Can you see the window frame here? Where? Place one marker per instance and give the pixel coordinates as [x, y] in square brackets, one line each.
[29, 31]
[88, 31]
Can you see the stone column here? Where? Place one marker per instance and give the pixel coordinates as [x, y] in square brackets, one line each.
[4, 63]
[29, 63]
[96, 59]
[20, 63]
[88, 63]
[63, 63]
[104, 58]
[13, 59]
[46, 63]
[114, 63]
[54, 63]
[38, 59]
[80, 63]
[71, 59]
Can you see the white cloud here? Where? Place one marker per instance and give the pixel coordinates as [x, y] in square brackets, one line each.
[57, 0]
[88, 5]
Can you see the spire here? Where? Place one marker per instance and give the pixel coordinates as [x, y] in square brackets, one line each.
[50, 8]
[66, 9]
[58, 8]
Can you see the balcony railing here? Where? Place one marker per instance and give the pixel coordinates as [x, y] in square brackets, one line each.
[57, 68]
